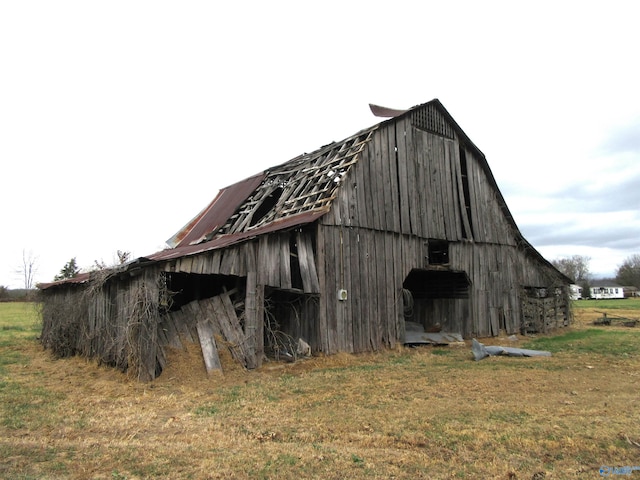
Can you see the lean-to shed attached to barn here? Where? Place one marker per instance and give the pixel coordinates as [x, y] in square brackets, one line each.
[401, 222]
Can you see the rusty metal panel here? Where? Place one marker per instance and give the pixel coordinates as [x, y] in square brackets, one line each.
[232, 239]
[77, 280]
[379, 111]
[217, 212]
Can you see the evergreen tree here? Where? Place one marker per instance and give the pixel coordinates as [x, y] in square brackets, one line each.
[70, 270]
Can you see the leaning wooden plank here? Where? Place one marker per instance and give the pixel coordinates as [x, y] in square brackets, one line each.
[308, 271]
[208, 345]
[191, 315]
[285, 261]
[161, 357]
[209, 313]
[171, 332]
[162, 333]
[230, 328]
[459, 196]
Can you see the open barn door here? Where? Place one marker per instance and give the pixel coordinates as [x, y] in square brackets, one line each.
[437, 300]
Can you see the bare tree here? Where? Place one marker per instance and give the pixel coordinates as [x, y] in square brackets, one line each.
[575, 267]
[28, 269]
[629, 272]
[123, 256]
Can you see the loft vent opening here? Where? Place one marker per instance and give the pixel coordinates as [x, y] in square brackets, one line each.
[438, 252]
[431, 120]
[268, 203]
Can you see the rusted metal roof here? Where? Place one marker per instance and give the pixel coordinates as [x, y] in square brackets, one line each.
[78, 279]
[306, 183]
[209, 220]
[234, 238]
[187, 250]
[297, 190]
[385, 112]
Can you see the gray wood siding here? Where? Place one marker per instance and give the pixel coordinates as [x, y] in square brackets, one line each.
[408, 187]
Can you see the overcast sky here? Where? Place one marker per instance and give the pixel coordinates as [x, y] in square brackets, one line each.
[120, 120]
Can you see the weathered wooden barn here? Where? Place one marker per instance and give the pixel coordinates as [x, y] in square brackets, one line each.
[400, 222]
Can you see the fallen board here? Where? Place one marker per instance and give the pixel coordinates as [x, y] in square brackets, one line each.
[481, 351]
[208, 345]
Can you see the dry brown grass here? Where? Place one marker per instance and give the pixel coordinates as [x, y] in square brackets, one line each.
[409, 413]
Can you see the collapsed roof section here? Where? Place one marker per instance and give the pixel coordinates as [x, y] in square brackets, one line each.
[306, 184]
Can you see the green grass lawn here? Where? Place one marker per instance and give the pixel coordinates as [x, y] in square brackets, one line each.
[19, 321]
[617, 304]
[597, 341]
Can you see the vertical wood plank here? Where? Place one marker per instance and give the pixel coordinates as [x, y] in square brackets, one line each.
[355, 294]
[382, 285]
[251, 319]
[362, 220]
[285, 261]
[422, 166]
[365, 290]
[412, 181]
[403, 187]
[394, 196]
[323, 308]
[377, 185]
[262, 261]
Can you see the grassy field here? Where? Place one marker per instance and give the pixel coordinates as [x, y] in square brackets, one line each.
[408, 413]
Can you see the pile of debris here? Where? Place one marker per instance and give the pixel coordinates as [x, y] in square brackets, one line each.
[608, 319]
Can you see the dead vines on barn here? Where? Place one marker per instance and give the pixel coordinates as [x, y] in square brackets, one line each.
[115, 322]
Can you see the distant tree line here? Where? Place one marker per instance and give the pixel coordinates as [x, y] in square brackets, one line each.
[16, 294]
[576, 268]
[629, 272]
[29, 267]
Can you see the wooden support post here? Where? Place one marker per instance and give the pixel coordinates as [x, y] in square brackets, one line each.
[251, 320]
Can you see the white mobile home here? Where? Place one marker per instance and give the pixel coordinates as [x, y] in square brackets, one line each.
[575, 292]
[606, 290]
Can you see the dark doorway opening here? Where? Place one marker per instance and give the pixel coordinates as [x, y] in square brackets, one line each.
[437, 300]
